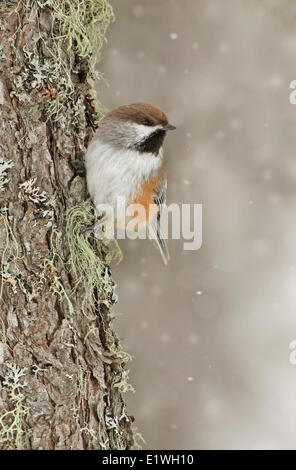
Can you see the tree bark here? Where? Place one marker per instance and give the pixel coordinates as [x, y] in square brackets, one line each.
[62, 370]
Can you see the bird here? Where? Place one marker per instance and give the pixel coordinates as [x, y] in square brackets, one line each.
[125, 159]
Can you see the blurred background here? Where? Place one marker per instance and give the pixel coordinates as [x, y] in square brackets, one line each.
[210, 333]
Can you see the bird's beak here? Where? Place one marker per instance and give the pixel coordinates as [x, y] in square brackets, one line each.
[169, 127]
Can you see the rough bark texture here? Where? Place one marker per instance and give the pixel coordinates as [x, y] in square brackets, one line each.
[62, 371]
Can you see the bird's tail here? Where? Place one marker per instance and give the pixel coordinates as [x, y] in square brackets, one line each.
[159, 242]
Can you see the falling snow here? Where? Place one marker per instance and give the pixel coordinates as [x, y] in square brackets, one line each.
[173, 36]
[218, 320]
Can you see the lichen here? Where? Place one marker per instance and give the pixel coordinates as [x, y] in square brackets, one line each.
[13, 431]
[49, 272]
[86, 266]
[81, 391]
[123, 384]
[77, 34]
[82, 25]
[9, 254]
[88, 269]
[87, 430]
[4, 167]
[137, 438]
[32, 193]
[114, 251]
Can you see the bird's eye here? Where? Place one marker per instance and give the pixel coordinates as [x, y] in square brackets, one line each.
[147, 122]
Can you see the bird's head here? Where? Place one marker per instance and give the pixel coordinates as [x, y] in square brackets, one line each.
[137, 126]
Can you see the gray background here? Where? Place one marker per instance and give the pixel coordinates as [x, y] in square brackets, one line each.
[211, 370]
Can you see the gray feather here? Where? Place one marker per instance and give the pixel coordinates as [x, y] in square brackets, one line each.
[154, 225]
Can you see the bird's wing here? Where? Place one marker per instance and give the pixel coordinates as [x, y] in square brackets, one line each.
[159, 198]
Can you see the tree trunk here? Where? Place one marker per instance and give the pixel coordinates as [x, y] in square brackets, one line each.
[62, 370]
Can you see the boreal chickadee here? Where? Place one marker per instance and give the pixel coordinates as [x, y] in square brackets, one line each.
[126, 160]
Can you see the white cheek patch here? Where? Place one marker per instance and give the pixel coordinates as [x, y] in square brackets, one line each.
[144, 131]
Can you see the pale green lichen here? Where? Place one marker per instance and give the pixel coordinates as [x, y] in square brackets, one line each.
[123, 384]
[13, 429]
[9, 254]
[4, 167]
[49, 272]
[78, 32]
[85, 264]
[81, 390]
[114, 251]
[82, 25]
[3, 336]
[112, 423]
[2, 54]
[138, 438]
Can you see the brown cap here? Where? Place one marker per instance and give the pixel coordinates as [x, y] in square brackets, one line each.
[141, 113]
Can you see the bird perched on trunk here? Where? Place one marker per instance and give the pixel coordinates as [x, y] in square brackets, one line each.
[126, 160]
